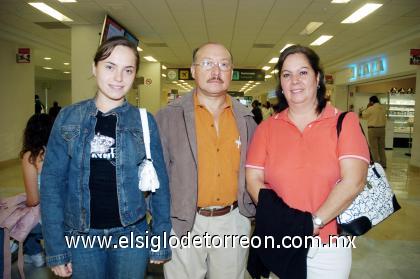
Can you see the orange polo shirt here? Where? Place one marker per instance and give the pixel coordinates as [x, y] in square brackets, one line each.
[218, 156]
[303, 167]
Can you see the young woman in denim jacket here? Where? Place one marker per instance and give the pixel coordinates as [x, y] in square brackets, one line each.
[89, 182]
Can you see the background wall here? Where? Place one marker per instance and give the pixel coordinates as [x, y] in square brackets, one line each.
[16, 99]
[58, 90]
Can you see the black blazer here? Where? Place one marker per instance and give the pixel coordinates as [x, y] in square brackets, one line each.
[275, 218]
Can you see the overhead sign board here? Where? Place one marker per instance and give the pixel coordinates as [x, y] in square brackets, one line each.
[248, 74]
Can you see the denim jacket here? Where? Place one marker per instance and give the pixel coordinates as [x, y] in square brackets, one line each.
[65, 195]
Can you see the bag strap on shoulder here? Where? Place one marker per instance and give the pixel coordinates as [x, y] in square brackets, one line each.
[340, 125]
[146, 132]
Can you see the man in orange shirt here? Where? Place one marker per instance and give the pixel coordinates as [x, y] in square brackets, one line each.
[205, 135]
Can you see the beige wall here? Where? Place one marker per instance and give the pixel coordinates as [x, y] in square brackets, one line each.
[16, 99]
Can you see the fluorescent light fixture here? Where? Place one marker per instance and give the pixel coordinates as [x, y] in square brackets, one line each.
[150, 58]
[66, 73]
[139, 49]
[47, 58]
[67, 1]
[364, 11]
[251, 81]
[311, 27]
[47, 68]
[267, 76]
[66, 63]
[322, 39]
[286, 46]
[175, 82]
[266, 68]
[181, 80]
[163, 75]
[274, 60]
[49, 11]
[340, 1]
[164, 67]
[258, 83]
[275, 71]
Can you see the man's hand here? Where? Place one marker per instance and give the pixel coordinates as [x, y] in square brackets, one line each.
[63, 270]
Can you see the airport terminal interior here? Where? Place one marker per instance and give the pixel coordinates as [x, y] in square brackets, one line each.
[378, 54]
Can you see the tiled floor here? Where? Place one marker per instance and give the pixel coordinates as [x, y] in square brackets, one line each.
[391, 250]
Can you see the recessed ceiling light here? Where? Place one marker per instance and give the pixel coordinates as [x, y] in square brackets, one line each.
[311, 27]
[251, 81]
[364, 11]
[340, 1]
[266, 68]
[322, 39]
[66, 73]
[258, 83]
[267, 76]
[274, 60]
[66, 63]
[150, 59]
[286, 46]
[47, 58]
[275, 71]
[49, 11]
[181, 80]
[139, 49]
[175, 82]
[67, 1]
[163, 67]
[163, 75]
[47, 68]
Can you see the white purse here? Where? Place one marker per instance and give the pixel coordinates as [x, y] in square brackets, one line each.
[148, 179]
[374, 204]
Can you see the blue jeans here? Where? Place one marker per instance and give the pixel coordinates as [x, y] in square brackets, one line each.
[32, 244]
[113, 262]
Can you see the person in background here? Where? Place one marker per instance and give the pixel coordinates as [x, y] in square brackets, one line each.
[54, 110]
[39, 106]
[267, 110]
[256, 111]
[375, 114]
[297, 154]
[205, 136]
[90, 182]
[35, 139]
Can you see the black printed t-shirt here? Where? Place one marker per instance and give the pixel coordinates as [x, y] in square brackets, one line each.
[102, 181]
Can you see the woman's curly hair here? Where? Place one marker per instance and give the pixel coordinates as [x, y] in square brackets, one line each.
[35, 136]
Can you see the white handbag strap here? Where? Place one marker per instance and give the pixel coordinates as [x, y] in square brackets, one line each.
[146, 132]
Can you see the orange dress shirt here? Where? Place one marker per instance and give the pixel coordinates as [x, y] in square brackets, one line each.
[218, 156]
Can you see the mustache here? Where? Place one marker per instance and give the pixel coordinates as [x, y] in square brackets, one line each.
[215, 79]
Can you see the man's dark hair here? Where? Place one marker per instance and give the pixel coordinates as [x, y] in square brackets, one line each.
[374, 100]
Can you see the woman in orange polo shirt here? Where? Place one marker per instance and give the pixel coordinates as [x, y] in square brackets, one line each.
[296, 153]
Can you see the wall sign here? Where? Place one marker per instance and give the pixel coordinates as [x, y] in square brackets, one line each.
[23, 55]
[368, 69]
[414, 56]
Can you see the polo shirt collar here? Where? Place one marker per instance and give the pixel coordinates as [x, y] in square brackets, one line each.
[328, 112]
[227, 104]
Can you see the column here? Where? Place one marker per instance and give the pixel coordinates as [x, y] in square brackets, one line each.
[151, 89]
[415, 149]
[84, 42]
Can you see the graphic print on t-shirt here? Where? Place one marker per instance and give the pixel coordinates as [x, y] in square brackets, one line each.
[103, 147]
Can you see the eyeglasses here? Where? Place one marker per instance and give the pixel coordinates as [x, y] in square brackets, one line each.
[209, 64]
